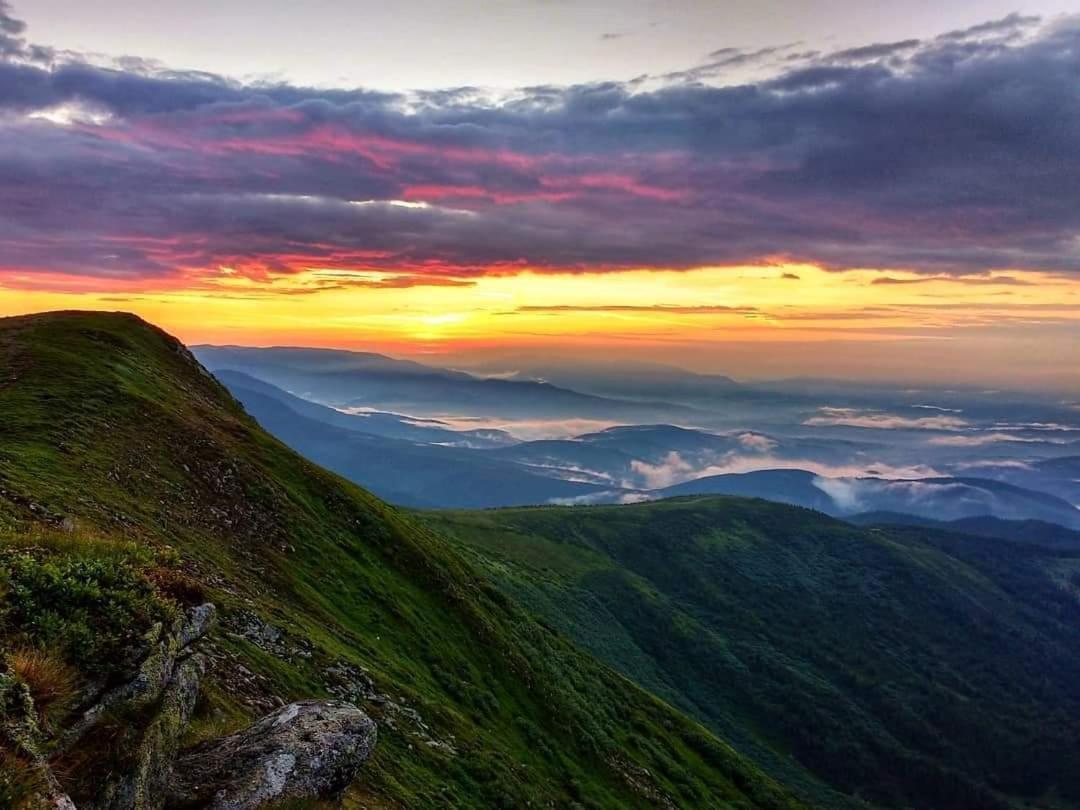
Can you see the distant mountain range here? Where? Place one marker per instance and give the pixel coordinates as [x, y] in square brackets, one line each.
[376, 423]
[1059, 476]
[944, 499]
[426, 462]
[424, 470]
[357, 379]
[638, 381]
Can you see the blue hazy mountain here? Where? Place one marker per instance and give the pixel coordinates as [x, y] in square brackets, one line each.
[361, 379]
[424, 462]
[938, 498]
[404, 472]
[377, 423]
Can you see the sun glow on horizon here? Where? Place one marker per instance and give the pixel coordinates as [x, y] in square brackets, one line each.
[647, 313]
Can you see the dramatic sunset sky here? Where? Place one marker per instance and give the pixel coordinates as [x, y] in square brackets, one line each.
[843, 188]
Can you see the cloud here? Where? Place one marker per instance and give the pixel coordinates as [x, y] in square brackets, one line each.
[587, 499]
[8, 23]
[676, 468]
[1037, 426]
[1005, 27]
[938, 408]
[723, 59]
[954, 156]
[943, 499]
[738, 463]
[960, 279]
[1004, 464]
[530, 429]
[755, 441]
[669, 309]
[673, 469]
[853, 417]
[980, 439]
[1006, 432]
[844, 493]
[878, 50]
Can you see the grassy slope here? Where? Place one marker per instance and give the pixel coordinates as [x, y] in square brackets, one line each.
[108, 423]
[906, 666]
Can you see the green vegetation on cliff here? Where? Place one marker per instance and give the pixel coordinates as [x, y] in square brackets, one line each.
[132, 484]
[904, 667]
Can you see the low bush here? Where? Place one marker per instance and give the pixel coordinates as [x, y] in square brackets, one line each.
[90, 610]
[52, 682]
[20, 781]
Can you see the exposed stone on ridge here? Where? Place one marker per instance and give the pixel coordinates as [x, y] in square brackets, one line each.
[306, 750]
[166, 647]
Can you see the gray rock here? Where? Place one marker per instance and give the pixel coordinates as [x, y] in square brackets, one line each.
[196, 623]
[164, 647]
[146, 785]
[306, 750]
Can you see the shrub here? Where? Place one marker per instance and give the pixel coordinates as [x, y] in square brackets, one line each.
[91, 610]
[176, 585]
[20, 781]
[51, 680]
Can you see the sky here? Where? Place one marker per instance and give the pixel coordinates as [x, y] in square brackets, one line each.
[760, 189]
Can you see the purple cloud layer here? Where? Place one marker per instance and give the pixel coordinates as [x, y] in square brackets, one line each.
[954, 155]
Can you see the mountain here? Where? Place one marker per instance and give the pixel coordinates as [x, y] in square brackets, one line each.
[895, 667]
[133, 487]
[1036, 532]
[375, 423]
[421, 463]
[1068, 466]
[409, 473]
[795, 487]
[646, 457]
[639, 380]
[357, 379]
[941, 498]
[1059, 476]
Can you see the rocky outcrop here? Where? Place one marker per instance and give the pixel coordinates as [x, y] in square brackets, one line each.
[305, 750]
[168, 683]
[166, 647]
[21, 737]
[352, 683]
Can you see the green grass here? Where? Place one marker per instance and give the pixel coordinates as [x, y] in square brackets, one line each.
[109, 426]
[902, 667]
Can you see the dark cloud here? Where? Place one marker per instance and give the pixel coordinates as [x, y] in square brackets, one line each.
[724, 59]
[961, 279]
[878, 50]
[1005, 27]
[8, 23]
[11, 29]
[955, 156]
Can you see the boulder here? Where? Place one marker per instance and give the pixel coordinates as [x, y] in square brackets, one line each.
[306, 750]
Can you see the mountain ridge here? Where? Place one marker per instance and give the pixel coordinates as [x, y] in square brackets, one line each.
[119, 449]
[900, 666]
